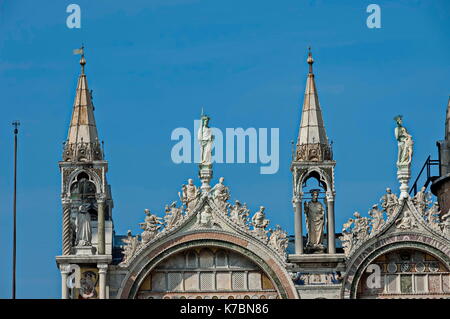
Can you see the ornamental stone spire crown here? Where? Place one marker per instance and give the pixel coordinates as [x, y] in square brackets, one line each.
[312, 142]
[82, 142]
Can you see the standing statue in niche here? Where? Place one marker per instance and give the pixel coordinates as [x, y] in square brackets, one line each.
[83, 228]
[314, 212]
[205, 138]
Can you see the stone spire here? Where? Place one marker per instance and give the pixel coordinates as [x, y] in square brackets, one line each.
[82, 141]
[312, 142]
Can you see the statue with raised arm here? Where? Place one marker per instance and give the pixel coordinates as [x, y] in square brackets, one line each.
[314, 212]
[83, 228]
[405, 143]
[205, 138]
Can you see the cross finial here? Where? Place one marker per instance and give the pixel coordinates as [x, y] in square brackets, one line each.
[16, 124]
[310, 60]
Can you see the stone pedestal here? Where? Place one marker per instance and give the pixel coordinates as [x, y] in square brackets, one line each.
[403, 176]
[205, 173]
[84, 250]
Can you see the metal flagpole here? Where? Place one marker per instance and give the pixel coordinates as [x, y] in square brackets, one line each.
[16, 131]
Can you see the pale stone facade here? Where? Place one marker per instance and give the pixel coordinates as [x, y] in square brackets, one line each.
[208, 247]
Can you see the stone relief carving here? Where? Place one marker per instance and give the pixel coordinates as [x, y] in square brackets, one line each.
[151, 225]
[205, 217]
[407, 222]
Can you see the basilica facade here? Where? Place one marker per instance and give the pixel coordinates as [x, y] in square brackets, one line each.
[209, 247]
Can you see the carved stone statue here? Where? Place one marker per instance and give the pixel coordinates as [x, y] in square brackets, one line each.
[260, 222]
[314, 212]
[278, 239]
[377, 220]
[189, 195]
[239, 214]
[221, 193]
[389, 202]
[151, 225]
[406, 222]
[205, 217]
[173, 215]
[205, 138]
[421, 200]
[131, 244]
[83, 227]
[405, 143]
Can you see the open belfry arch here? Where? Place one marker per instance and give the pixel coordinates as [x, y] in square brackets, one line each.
[207, 245]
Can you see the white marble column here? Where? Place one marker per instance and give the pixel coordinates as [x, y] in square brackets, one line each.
[65, 271]
[297, 203]
[102, 269]
[330, 218]
[101, 224]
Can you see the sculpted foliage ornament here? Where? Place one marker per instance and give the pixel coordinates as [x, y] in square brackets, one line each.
[239, 214]
[278, 239]
[131, 245]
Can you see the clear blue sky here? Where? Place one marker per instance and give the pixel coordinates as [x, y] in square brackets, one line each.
[152, 64]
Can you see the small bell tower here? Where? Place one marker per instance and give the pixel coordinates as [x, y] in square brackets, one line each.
[313, 158]
[87, 226]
